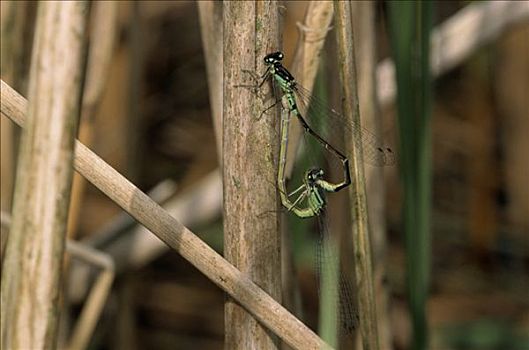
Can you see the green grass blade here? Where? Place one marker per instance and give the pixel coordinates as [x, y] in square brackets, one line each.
[410, 25]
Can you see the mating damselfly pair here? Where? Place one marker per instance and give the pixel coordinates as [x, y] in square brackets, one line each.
[310, 196]
[375, 152]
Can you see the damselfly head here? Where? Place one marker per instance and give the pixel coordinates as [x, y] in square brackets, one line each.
[314, 174]
[274, 57]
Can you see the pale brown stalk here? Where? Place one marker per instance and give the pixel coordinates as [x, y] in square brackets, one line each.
[363, 15]
[251, 239]
[210, 15]
[102, 37]
[32, 267]
[357, 191]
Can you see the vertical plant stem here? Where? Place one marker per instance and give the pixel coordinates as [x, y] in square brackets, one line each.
[251, 224]
[210, 15]
[357, 192]
[306, 62]
[103, 33]
[31, 272]
[410, 24]
[17, 25]
[133, 152]
[97, 298]
[363, 13]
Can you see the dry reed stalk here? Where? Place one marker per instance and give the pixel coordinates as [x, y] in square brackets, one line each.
[363, 13]
[103, 33]
[17, 24]
[134, 89]
[96, 299]
[251, 238]
[357, 190]
[313, 32]
[210, 16]
[32, 268]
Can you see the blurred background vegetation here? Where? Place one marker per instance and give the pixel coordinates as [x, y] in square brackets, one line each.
[153, 124]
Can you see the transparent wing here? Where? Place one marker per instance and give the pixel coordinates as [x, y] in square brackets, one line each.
[348, 315]
[375, 152]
